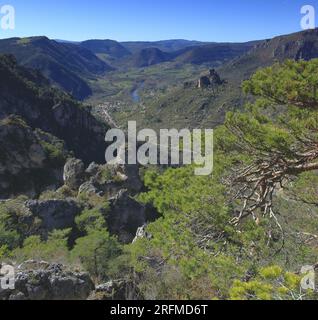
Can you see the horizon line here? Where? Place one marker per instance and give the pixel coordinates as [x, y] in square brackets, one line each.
[162, 40]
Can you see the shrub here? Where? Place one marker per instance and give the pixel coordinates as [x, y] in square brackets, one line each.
[95, 252]
[55, 249]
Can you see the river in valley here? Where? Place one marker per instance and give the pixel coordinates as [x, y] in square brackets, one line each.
[135, 92]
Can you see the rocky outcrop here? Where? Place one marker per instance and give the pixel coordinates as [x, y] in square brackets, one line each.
[43, 281]
[118, 184]
[93, 169]
[112, 290]
[210, 80]
[40, 280]
[54, 214]
[29, 159]
[142, 233]
[102, 183]
[73, 176]
[114, 183]
[88, 188]
[84, 135]
[115, 290]
[104, 180]
[50, 110]
[126, 216]
[204, 82]
[133, 182]
[215, 78]
[25, 153]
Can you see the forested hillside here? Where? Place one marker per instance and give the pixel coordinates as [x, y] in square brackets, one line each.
[243, 232]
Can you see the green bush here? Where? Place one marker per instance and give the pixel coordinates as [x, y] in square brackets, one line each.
[55, 249]
[96, 252]
[271, 283]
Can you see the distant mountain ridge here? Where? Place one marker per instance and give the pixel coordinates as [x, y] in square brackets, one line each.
[148, 57]
[163, 45]
[296, 46]
[214, 52]
[65, 64]
[139, 54]
[73, 66]
[192, 107]
[111, 48]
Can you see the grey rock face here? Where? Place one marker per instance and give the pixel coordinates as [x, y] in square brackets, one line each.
[54, 214]
[126, 216]
[51, 111]
[204, 82]
[109, 179]
[134, 184]
[92, 169]
[44, 281]
[142, 234]
[88, 188]
[73, 176]
[115, 290]
[212, 79]
[20, 153]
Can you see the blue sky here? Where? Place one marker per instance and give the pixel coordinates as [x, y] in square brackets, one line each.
[206, 20]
